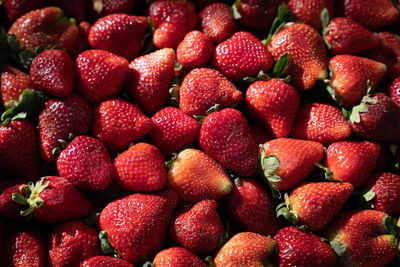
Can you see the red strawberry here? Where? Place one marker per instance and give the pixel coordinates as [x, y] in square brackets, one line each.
[225, 136]
[195, 50]
[172, 20]
[258, 14]
[352, 161]
[150, 77]
[173, 129]
[74, 9]
[53, 72]
[101, 8]
[100, 74]
[120, 34]
[350, 76]
[86, 163]
[203, 88]
[24, 248]
[242, 55]
[118, 123]
[302, 249]
[306, 50]
[308, 11]
[13, 83]
[105, 261]
[394, 91]
[177, 257]
[199, 228]
[9, 209]
[82, 42]
[17, 8]
[72, 243]
[274, 103]
[217, 22]
[363, 238]
[136, 224]
[250, 208]
[60, 118]
[195, 176]
[245, 249]
[322, 123]
[290, 159]
[45, 27]
[346, 36]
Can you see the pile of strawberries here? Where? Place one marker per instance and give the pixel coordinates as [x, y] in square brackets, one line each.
[200, 133]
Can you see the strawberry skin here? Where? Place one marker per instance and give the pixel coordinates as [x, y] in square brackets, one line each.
[9, 209]
[308, 11]
[13, 82]
[177, 257]
[17, 8]
[97, 261]
[394, 91]
[195, 50]
[258, 14]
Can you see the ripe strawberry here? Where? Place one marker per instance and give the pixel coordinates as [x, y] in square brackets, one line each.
[195, 50]
[250, 208]
[290, 159]
[45, 27]
[86, 163]
[352, 161]
[242, 55]
[363, 238]
[225, 136]
[199, 228]
[300, 248]
[195, 176]
[274, 103]
[217, 22]
[172, 130]
[60, 118]
[105, 261]
[82, 43]
[53, 72]
[203, 88]
[100, 74]
[172, 20]
[72, 243]
[322, 123]
[245, 249]
[308, 11]
[258, 14]
[346, 36]
[13, 82]
[136, 224]
[120, 34]
[350, 76]
[9, 209]
[177, 257]
[118, 123]
[394, 91]
[149, 78]
[101, 8]
[17, 8]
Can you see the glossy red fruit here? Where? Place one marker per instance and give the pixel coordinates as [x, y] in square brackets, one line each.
[9, 209]
[105, 261]
[309, 11]
[394, 91]
[118, 123]
[13, 82]
[177, 257]
[195, 50]
[17, 8]
[258, 14]
[100, 8]
[81, 43]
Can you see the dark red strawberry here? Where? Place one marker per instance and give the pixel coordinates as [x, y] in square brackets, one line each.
[9, 209]
[195, 50]
[100, 8]
[309, 11]
[17, 8]
[13, 82]
[260, 133]
[74, 9]
[258, 14]
[177, 257]
[82, 42]
[105, 261]
[394, 91]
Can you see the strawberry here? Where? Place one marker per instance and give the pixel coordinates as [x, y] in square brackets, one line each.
[120, 34]
[53, 199]
[260, 133]
[245, 249]
[45, 27]
[320, 122]
[199, 228]
[26, 247]
[100, 74]
[82, 42]
[172, 20]
[308, 11]
[13, 83]
[18, 153]
[74, 9]
[352, 161]
[86, 163]
[173, 129]
[394, 91]
[346, 36]
[363, 238]
[250, 208]
[195, 50]
[217, 22]
[136, 224]
[225, 136]
[286, 162]
[149, 78]
[101, 8]
[274, 103]
[257, 14]
[9, 209]
[306, 50]
[105, 261]
[118, 123]
[17, 8]
[242, 55]
[177, 257]
[53, 72]
[203, 88]
[350, 76]
[60, 118]
[141, 168]
[71, 243]
[195, 176]
[300, 248]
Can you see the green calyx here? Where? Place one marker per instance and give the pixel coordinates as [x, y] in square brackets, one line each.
[327, 173]
[390, 226]
[325, 21]
[235, 12]
[283, 209]
[338, 247]
[362, 107]
[278, 71]
[268, 164]
[284, 16]
[106, 246]
[63, 144]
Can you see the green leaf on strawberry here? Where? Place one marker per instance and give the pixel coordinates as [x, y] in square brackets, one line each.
[338, 247]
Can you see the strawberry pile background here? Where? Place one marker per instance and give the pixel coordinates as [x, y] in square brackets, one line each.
[199, 133]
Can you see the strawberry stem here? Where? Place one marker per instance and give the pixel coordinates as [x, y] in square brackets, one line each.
[106, 246]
